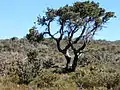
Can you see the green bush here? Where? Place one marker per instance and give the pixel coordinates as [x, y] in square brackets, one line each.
[46, 79]
[97, 76]
[34, 35]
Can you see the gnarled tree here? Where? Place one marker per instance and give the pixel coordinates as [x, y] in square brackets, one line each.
[78, 22]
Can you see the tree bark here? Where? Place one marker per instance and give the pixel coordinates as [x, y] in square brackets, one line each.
[74, 64]
[68, 59]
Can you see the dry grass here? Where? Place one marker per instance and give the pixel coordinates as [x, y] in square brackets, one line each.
[11, 86]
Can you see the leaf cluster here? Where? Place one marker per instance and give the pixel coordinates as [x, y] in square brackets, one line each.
[78, 13]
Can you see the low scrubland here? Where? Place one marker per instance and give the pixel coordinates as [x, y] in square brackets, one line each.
[39, 66]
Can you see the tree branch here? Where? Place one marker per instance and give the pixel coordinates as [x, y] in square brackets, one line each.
[48, 28]
[83, 31]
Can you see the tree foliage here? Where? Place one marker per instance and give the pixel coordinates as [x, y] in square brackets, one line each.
[34, 35]
[79, 21]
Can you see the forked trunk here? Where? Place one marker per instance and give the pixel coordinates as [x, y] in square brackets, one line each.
[70, 60]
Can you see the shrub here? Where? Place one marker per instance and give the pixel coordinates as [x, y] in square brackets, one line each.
[26, 70]
[34, 35]
[46, 79]
[97, 76]
[48, 63]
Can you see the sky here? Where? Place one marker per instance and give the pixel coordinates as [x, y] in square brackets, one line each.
[17, 16]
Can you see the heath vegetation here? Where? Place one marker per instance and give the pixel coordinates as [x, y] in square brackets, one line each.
[67, 60]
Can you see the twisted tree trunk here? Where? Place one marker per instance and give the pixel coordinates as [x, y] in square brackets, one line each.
[70, 61]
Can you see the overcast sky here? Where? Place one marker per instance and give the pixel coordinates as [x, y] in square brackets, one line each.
[17, 16]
